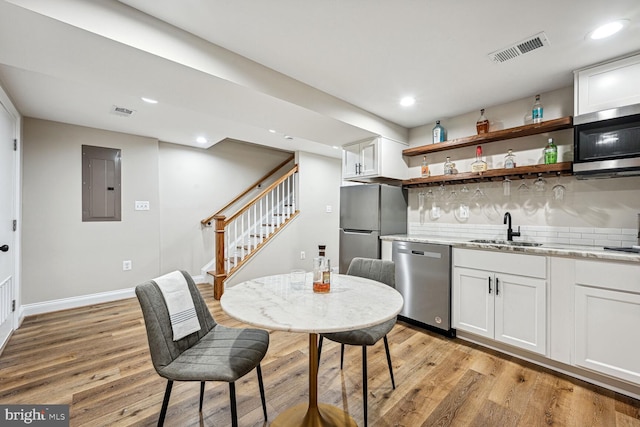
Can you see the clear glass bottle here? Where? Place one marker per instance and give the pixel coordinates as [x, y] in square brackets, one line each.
[438, 133]
[482, 125]
[537, 111]
[449, 167]
[478, 165]
[321, 272]
[424, 169]
[550, 153]
[510, 160]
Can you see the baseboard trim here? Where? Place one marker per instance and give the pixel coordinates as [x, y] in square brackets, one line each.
[83, 300]
[74, 302]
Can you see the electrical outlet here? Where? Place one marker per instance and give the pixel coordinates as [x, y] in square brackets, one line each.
[142, 205]
[329, 209]
[302, 255]
[126, 265]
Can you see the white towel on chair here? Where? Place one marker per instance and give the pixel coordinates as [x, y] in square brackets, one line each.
[182, 312]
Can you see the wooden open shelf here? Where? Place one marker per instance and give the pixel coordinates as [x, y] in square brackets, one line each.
[520, 172]
[499, 135]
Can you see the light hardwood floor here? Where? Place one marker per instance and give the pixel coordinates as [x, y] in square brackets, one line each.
[96, 360]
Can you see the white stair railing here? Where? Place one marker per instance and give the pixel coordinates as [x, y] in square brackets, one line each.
[245, 232]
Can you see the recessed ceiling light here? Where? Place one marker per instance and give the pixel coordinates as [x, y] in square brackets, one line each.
[272, 130]
[336, 147]
[407, 101]
[607, 30]
[149, 100]
[288, 137]
[201, 140]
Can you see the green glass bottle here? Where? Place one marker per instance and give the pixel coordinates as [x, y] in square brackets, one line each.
[550, 153]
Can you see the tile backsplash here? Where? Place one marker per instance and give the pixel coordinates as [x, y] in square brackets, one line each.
[583, 236]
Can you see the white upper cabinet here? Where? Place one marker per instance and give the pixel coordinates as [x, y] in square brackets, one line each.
[609, 85]
[373, 159]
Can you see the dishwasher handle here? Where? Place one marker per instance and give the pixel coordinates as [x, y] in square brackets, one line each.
[436, 255]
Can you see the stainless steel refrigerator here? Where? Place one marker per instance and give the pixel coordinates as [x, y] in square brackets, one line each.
[367, 212]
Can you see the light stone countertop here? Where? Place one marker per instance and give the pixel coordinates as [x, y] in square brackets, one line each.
[547, 249]
[275, 303]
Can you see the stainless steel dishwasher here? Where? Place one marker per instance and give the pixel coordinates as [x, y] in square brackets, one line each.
[423, 277]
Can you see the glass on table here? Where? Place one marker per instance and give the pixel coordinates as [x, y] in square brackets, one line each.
[297, 277]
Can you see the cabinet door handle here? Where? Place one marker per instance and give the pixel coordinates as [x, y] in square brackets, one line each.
[489, 284]
[497, 286]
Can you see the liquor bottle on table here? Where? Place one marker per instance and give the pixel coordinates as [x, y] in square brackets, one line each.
[321, 272]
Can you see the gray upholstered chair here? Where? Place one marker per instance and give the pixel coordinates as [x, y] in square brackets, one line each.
[214, 353]
[381, 271]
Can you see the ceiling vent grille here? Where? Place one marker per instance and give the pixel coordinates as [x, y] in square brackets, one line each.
[122, 111]
[525, 46]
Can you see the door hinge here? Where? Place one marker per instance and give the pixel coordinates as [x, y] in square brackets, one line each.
[15, 224]
[13, 306]
[15, 145]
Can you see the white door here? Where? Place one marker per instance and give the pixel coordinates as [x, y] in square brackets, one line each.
[520, 317]
[350, 160]
[369, 155]
[473, 301]
[606, 325]
[7, 239]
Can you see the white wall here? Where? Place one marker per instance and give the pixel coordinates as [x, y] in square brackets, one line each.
[319, 183]
[613, 202]
[63, 256]
[194, 184]
[66, 258]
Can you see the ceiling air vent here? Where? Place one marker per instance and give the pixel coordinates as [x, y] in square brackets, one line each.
[525, 46]
[122, 111]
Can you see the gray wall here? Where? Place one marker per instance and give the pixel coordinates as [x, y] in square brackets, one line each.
[64, 257]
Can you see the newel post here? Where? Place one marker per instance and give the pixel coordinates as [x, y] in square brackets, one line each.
[221, 274]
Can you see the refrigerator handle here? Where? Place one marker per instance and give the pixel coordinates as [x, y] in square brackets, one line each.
[350, 231]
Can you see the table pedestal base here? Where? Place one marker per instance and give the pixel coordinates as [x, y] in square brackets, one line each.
[322, 416]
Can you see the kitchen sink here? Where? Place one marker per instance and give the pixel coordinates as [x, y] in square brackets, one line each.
[505, 242]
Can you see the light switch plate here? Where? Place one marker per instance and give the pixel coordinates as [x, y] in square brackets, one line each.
[142, 205]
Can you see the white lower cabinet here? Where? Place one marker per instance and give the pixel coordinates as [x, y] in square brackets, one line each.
[509, 308]
[607, 316]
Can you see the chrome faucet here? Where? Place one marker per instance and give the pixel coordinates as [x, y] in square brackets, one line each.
[510, 232]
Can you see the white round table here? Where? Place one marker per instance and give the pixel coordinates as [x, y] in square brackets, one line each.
[273, 302]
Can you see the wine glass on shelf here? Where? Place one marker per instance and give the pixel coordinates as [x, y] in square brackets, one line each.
[540, 184]
[506, 187]
[558, 190]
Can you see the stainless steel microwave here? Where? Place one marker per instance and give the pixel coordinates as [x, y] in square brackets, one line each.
[607, 143]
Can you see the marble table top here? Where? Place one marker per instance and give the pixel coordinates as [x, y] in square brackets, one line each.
[273, 302]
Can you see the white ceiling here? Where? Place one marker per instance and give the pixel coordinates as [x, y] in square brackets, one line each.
[324, 72]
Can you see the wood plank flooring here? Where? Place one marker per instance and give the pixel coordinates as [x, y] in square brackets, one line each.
[96, 360]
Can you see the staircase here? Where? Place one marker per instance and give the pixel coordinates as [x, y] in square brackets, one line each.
[253, 223]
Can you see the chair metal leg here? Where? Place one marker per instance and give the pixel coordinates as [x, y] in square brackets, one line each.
[341, 355]
[234, 409]
[364, 382]
[319, 349]
[201, 394]
[165, 403]
[264, 402]
[386, 348]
